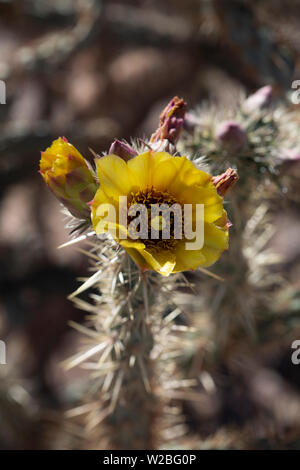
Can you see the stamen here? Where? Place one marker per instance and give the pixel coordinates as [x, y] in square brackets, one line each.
[156, 224]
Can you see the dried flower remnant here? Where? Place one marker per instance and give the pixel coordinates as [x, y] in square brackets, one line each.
[171, 121]
[225, 181]
[68, 176]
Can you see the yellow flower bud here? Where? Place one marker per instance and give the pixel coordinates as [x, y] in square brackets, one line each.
[68, 176]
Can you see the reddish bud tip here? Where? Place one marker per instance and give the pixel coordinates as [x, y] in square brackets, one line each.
[171, 121]
[122, 150]
[262, 98]
[225, 181]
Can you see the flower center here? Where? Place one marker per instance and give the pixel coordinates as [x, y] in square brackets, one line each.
[158, 223]
[161, 220]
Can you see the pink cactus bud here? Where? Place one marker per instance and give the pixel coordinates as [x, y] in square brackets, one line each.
[289, 155]
[122, 150]
[231, 135]
[260, 99]
[191, 122]
[171, 121]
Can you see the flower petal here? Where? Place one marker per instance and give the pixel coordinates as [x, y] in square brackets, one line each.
[138, 258]
[192, 259]
[187, 175]
[114, 176]
[143, 167]
[215, 237]
[162, 261]
[137, 245]
[187, 259]
[213, 203]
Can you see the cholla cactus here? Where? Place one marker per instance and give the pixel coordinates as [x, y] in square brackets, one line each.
[260, 140]
[246, 138]
[131, 319]
[156, 336]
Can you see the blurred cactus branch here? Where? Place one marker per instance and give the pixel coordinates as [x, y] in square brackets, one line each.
[54, 49]
[122, 324]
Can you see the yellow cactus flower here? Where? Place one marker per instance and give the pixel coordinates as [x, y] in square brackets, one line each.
[68, 176]
[159, 178]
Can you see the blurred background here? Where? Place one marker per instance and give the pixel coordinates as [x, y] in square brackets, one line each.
[94, 71]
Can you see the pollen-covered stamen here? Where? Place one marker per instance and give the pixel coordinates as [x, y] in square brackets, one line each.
[158, 223]
[161, 219]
